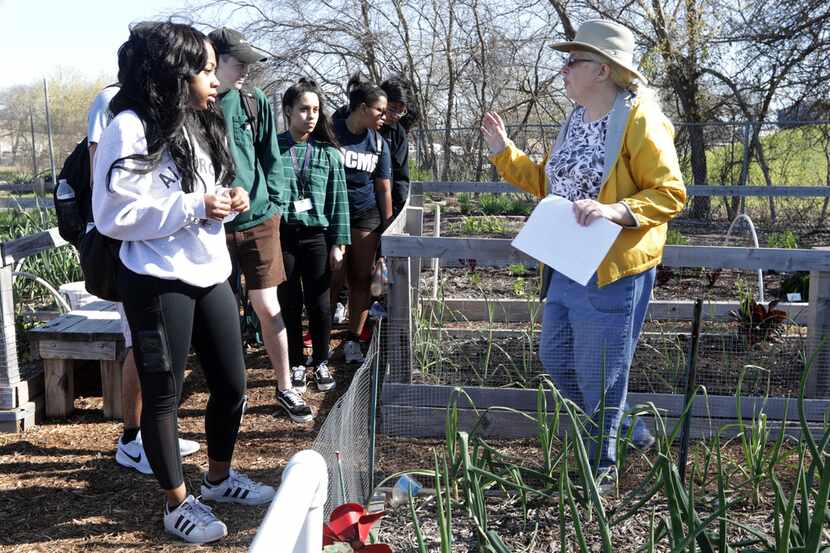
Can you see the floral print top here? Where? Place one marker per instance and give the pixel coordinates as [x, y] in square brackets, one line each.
[574, 170]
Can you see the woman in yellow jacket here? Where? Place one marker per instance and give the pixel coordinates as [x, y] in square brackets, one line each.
[614, 158]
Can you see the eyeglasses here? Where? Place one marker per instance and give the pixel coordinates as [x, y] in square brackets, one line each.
[395, 111]
[381, 112]
[570, 62]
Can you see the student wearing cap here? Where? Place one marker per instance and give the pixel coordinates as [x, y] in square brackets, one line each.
[253, 236]
[614, 158]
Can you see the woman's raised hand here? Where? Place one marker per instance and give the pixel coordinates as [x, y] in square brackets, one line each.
[492, 128]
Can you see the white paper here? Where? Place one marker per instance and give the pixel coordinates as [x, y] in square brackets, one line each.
[553, 236]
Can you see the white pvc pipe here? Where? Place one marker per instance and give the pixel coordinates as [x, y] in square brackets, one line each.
[294, 521]
[745, 217]
[435, 261]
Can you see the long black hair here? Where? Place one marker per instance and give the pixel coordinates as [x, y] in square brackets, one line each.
[155, 67]
[361, 91]
[323, 131]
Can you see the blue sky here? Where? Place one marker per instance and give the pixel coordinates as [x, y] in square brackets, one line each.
[42, 37]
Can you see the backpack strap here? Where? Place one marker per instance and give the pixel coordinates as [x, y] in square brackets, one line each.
[378, 139]
[251, 107]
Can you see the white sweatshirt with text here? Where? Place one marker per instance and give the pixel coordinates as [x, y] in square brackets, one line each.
[164, 230]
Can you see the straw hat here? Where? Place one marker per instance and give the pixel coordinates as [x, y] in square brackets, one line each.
[609, 39]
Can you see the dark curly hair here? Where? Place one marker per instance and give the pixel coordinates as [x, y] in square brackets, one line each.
[323, 131]
[361, 91]
[155, 67]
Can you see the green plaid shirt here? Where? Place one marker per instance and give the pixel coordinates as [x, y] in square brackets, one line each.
[326, 187]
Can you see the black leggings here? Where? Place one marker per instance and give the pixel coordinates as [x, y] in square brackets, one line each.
[165, 316]
[305, 256]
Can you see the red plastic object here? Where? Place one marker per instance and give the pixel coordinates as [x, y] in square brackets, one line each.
[350, 523]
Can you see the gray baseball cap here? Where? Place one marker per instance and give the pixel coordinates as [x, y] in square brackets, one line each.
[229, 41]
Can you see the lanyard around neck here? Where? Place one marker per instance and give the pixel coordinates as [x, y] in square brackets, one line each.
[301, 171]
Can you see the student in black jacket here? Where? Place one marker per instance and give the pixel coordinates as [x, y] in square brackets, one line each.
[396, 135]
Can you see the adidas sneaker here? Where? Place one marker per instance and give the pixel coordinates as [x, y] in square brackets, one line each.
[237, 488]
[193, 522]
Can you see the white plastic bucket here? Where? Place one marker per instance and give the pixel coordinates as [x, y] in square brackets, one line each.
[76, 294]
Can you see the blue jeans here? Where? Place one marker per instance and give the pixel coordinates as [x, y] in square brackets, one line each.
[585, 330]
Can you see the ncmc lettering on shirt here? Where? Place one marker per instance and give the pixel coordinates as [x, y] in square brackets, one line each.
[360, 161]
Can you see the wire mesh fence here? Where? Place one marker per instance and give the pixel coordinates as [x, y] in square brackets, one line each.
[345, 436]
[479, 326]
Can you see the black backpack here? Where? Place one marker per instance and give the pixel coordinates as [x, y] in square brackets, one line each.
[98, 254]
[72, 220]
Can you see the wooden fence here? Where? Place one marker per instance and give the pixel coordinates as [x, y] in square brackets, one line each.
[418, 409]
[19, 391]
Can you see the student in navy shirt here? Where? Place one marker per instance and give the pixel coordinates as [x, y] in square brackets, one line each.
[368, 169]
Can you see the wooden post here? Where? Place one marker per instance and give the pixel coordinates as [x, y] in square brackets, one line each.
[9, 370]
[111, 389]
[60, 387]
[818, 333]
[399, 322]
[414, 227]
[416, 194]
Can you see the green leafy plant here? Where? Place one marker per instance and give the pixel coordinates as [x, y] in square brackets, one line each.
[495, 204]
[471, 226]
[520, 287]
[796, 283]
[786, 239]
[675, 238]
[517, 269]
[465, 203]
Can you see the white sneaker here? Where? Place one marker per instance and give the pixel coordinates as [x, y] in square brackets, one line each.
[352, 352]
[193, 522]
[187, 447]
[132, 455]
[298, 378]
[339, 316]
[323, 377]
[237, 488]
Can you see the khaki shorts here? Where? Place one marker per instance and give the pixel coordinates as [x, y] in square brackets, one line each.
[258, 254]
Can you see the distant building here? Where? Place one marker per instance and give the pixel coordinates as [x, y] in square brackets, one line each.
[803, 113]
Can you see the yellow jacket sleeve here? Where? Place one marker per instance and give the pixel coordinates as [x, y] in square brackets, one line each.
[518, 169]
[655, 170]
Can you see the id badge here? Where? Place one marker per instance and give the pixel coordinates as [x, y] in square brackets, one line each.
[303, 205]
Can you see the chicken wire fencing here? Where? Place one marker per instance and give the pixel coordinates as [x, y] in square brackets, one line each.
[345, 439]
[479, 333]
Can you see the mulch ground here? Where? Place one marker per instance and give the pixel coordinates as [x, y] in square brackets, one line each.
[61, 489]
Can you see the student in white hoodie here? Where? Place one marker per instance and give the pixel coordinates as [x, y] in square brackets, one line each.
[159, 169]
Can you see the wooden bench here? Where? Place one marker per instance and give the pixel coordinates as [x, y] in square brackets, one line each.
[92, 332]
